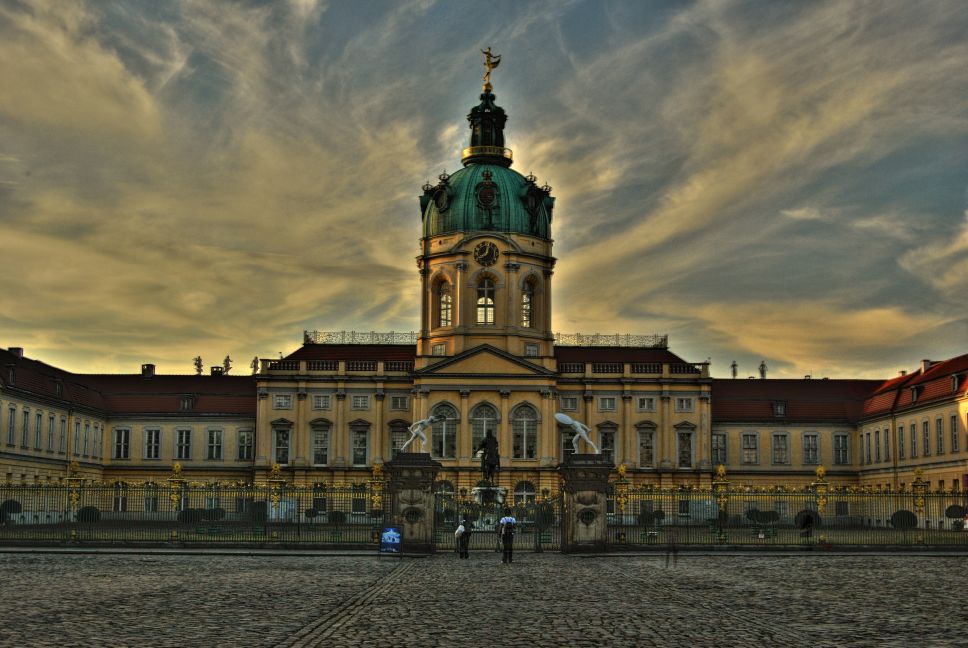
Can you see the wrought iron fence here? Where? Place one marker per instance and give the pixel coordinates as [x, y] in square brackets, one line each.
[783, 517]
[538, 528]
[192, 513]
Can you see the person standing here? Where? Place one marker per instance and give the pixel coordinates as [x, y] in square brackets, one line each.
[506, 527]
[464, 539]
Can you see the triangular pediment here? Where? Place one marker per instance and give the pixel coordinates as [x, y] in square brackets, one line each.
[485, 360]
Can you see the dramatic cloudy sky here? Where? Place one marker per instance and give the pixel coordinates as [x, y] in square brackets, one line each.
[760, 180]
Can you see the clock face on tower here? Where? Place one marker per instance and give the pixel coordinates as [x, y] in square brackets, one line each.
[485, 253]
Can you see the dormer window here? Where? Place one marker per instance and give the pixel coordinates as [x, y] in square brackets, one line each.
[187, 402]
[779, 408]
[956, 382]
[915, 392]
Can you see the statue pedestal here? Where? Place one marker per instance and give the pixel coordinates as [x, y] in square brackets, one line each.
[485, 495]
[584, 516]
[411, 477]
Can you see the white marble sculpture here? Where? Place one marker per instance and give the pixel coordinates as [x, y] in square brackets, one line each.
[581, 429]
[417, 430]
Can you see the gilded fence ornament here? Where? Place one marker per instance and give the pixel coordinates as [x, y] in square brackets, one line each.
[276, 483]
[621, 489]
[74, 483]
[820, 487]
[175, 484]
[919, 486]
[376, 488]
[721, 487]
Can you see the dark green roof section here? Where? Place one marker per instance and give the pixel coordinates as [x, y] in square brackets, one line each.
[487, 197]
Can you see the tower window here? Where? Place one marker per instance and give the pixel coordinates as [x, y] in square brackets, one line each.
[445, 305]
[527, 305]
[485, 302]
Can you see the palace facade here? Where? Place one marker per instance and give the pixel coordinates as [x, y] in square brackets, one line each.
[485, 360]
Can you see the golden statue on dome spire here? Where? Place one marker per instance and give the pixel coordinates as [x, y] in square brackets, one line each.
[491, 61]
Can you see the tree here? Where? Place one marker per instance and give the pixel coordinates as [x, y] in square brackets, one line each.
[227, 364]
[198, 365]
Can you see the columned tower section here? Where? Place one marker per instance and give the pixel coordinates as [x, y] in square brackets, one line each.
[485, 259]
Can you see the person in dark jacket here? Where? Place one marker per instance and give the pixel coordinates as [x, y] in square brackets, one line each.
[505, 529]
[464, 539]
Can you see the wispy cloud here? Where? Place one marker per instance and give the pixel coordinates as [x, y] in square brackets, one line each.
[212, 177]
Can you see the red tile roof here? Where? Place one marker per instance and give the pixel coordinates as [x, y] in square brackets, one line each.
[805, 401]
[133, 393]
[354, 352]
[42, 379]
[615, 354]
[162, 394]
[932, 386]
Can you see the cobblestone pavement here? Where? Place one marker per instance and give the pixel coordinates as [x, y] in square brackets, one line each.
[286, 601]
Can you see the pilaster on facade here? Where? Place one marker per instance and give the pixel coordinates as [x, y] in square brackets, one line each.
[504, 426]
[550, 436]
[340, 436]
[666, 441]
[624, 448]
[464, 450]
[379, 434]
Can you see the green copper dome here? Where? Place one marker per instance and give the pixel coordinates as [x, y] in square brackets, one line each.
[486, 195]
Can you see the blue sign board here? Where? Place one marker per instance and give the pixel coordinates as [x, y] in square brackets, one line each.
[390, 540]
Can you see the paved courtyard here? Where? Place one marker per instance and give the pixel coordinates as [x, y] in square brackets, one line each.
[541, 600]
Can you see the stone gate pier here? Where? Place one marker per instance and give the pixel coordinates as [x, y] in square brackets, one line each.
[584, 513]
[410, 483]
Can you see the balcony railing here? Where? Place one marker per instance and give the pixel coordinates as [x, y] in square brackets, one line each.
[571, 367]
[607, 367]
[283, 365]
[686, 368]
[655, 341]
[335, 366]
[700, 369]
[359, 337]
[498, 151]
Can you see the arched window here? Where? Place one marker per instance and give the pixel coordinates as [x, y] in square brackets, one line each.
[524, 493]
[445, 304]
[527, 305]
[485, 302]
[484, 419]
[524, 428]
[444, 433]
